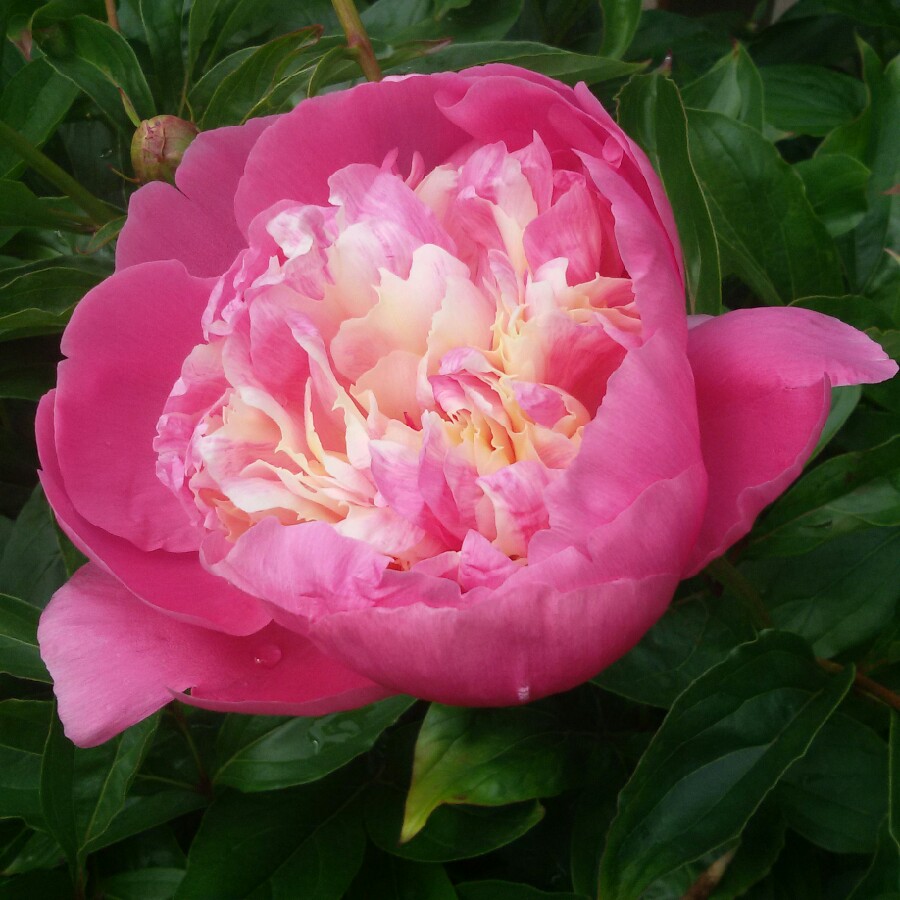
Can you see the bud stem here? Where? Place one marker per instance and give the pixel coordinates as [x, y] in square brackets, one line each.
[99, 211]
[112, 17]
[357, 39]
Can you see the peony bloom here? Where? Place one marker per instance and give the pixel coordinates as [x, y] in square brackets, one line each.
[396, 393]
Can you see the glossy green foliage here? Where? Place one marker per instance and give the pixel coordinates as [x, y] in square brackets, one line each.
[749, 745]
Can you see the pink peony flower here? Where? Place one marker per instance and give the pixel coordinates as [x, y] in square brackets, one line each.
[396, 393]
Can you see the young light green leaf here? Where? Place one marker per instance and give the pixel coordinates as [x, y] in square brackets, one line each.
[452, 832]
[835, 796]
[620, 22]
[263, 753]
[492, 757]
[838, 595]
[650, 110]
[767, 232]
[732, 87]
[723, 746]
[34, 101]
[803, 99]
[300, 842]
[19, 654]
[836, 187]
[98, 60]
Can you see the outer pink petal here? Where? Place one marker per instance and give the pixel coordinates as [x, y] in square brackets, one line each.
[645, 431]
[125, 347]
[115, 661]
[193, 223]
[546, 629]
[295, 158]
[175, 582]
[763, 378]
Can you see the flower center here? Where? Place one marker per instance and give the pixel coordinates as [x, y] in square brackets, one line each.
[415, 360]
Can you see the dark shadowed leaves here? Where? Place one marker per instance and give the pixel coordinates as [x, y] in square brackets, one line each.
[725, 743]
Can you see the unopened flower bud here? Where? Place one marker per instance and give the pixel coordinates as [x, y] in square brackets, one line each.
[158, 145]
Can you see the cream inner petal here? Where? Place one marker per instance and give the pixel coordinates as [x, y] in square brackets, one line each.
[413, 362]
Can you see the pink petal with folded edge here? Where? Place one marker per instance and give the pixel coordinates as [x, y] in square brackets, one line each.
[545, 629]
[295, 158]
[193, 222]
[174, 582]
[645, 431]
[115, 661]
[125, 346]
[763, 379]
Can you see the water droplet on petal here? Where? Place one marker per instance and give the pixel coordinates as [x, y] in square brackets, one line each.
[524, 693]
[267, 655]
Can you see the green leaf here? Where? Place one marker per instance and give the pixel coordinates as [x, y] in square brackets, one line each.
[883, 875]
[493, 757]
[398, 21]
[594, 812]
[34, 102]
[98, 60]
[31, 565]
[767, 232]
[262, 753]
[19, 654]
[692, 636]
[162, 21]
[802, 99]
[82, 791]
[452, 832]
[24, 725]
[878, 13]
[836, 187]
[732, 87]
[20, 208]
[835, 796]
[385, 877]
[844, 494]
[263, 81]
[650, 110]
[837, 595]
[894, 779]
[761, 842]
[620, 22]
[39, 851]
[147, 884]
[300, 842]
[563, 65]
[38, 297]
[52, 883]
[723, 746]
[873, 138]
[508, 890]
[202, 91]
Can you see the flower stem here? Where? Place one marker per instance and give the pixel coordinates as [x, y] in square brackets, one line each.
[100, 212]
[112, 17]
[357, 39]
[865, 684]
[729, 576]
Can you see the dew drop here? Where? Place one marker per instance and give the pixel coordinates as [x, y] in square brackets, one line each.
[524, 693]
[267, 655]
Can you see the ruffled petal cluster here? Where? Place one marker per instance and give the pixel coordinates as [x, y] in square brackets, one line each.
[396, 393]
